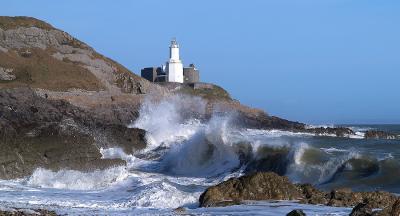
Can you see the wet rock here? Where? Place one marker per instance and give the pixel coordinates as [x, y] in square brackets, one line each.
[362, 209]
[296, 212]
[339, 131]
[343, 197]
[180, 210]
[311, 195]
[373, 134]
[27, 212]
[270, 186]
[395, 208]
[391, 210]
[258, 186]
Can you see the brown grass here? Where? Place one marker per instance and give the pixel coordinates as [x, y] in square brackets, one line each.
[7, 22]
[41, 70]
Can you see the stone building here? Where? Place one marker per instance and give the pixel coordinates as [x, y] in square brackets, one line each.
[173, 71]
[190, 74]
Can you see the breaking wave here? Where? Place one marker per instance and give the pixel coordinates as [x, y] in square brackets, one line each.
[188, 152]
[217, 147]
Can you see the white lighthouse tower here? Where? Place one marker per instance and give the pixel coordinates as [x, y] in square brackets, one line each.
[174, 67]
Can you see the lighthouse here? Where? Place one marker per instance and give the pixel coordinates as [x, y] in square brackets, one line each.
[173, 70]
[174, 66]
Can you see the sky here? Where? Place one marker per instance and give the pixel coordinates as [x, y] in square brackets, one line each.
[314, 61]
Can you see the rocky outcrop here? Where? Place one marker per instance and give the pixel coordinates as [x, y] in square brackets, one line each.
[296, 212]
[362, 209]
[338, 131]
[374, 134]
[365, 209]
[270, 186]
[27, 212]
[38, 132]
[259, 186]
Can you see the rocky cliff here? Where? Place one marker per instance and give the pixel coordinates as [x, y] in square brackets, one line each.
[60, 101]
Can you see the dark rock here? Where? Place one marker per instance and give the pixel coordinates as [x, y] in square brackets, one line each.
[39, 132]
[25, 212]
[180, 210]
[258, 186]
[270, 186]
[343, 197]
[361, 209]
[392, 209]
[373, 134]
[311, 195]
[296, 212]
[395, 211]
[339, 131]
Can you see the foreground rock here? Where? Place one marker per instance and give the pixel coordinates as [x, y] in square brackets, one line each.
[259, 186]
[365, 209]
[296, 212]
[270, 186]
[27, 212]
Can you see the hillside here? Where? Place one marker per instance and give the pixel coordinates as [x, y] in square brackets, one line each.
[37, 55]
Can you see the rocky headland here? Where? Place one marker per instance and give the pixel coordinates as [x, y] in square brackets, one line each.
[61, 101]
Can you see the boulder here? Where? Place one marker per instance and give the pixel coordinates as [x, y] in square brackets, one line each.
[258, 186]
[296, 212]
[390, 210]
[362, 209]
[180, 210]
[312, 195]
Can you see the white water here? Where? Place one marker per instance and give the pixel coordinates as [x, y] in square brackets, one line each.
[195, 155]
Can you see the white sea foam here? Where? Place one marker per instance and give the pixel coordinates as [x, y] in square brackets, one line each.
[164, 120]
[332, 149]
[76, 180]
[194, 155]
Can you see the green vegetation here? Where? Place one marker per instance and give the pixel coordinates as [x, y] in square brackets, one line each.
[210, 92]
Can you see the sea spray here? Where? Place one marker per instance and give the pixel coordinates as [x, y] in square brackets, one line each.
[76, 180]
[208, 152]
[169, 119]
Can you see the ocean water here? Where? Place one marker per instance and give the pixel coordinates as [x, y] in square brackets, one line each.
[186, 155]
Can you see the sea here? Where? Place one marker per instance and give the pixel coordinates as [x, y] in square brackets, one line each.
[185, 155]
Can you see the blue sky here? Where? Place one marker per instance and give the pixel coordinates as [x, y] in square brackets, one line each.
[330, 61]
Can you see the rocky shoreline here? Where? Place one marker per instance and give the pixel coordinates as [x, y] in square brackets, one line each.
[61, 102]
[270, 186]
